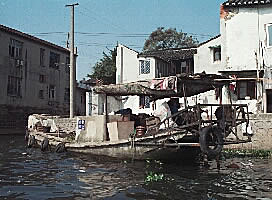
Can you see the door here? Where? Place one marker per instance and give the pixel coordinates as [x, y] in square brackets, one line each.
[269, 100]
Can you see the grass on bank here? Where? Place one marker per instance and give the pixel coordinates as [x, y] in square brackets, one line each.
[229, 153]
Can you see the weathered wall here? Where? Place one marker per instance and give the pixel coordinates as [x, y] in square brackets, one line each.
[262, 131]
[96, 104]
[203, 59]
[131, 72]
[29, 72]
[126, 64]
[242, 30]
[94, 129]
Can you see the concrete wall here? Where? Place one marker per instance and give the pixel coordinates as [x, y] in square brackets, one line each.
[29, 72]
[242, 30]
[91, 129]
[203, 59]
[126, 64]
[127, 61]
[244, 39]
[261, 125]
[96, 102]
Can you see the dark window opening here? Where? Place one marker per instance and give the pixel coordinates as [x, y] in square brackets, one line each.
[41, 94]
[217, 54]
[14, 86]
[16, 49]
[67, 65]
[246, 89]
[52, 92]
[144, 102]
[42, 53]
[81, 99]
[42, 78]
[67, 95]
[54, 60]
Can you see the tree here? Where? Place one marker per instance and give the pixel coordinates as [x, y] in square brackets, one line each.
[105, 69]
[168, 38]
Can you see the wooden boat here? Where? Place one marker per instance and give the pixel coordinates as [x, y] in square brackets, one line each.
[183, 134]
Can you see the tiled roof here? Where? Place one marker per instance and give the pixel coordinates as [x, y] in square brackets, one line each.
[32, 38]
[240, 3]
[171, 54]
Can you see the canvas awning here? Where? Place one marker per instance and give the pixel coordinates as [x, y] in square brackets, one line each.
[184, 85]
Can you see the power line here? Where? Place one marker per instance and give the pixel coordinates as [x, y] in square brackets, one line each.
[94, 34]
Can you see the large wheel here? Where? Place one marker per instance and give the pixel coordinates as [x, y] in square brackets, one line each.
[211, 140]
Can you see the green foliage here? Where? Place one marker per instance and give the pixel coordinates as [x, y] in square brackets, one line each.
[247, 153]
[151, 177]
[105, 69]
[168, 38]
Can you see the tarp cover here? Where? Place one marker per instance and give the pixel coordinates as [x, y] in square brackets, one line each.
[182, 85]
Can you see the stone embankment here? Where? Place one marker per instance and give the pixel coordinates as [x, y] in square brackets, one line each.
[261, 125]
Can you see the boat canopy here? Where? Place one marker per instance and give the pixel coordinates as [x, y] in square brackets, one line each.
[173, 86]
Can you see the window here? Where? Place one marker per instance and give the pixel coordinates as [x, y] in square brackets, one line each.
[67, 95]
[14, 86]
[144, 66]
[183, 66]
[67, 65]
[269, 35]
[52, 92]
[41, 94]
[54, 60]
[81, 99]
[42, 52]
[216, 54]
[246, 89]
[15, 49]
[42, 78]
[144, 102]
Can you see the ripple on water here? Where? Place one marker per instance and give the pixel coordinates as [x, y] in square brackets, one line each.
[32, 174]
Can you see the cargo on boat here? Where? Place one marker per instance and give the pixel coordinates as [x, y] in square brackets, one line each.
[173, 130]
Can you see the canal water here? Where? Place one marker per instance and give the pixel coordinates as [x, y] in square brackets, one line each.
[32, 174]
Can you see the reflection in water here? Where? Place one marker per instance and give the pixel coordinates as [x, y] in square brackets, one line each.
[32, 174]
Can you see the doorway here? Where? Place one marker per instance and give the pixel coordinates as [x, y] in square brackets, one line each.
[269, 100]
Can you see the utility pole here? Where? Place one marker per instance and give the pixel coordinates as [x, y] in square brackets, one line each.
[72, 62]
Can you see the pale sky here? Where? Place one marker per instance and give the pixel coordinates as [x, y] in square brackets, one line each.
[100, 24]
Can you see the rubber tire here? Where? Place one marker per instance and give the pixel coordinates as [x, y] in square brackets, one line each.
[204, 140]
[60, 148]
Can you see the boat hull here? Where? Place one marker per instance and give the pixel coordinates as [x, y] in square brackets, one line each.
[123, 149]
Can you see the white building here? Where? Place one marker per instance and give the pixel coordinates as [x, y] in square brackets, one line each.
[246, 41]
[242, 52]
[134, 66]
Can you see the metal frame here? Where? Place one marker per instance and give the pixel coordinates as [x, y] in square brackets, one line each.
[233, 115]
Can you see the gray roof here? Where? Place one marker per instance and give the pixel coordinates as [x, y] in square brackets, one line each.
[171, 54]
[32, 38]
[245, 3]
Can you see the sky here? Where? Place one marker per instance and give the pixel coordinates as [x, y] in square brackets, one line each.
[101, 24]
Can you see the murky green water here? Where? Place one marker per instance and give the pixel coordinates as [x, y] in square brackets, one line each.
[32, 174]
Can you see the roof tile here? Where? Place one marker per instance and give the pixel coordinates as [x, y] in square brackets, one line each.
[238, 3]
[32, 38]
[171, 54]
